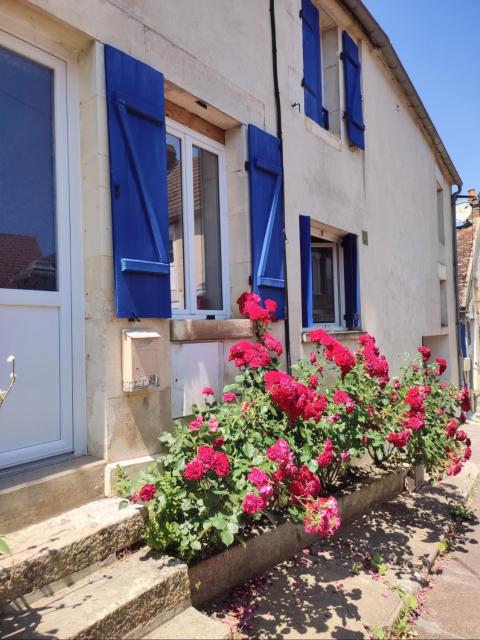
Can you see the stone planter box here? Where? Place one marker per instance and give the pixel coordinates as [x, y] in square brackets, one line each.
[218, 574]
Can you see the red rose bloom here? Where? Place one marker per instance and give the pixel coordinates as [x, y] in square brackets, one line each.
[451, 428]
[399, 440]
[249, 305]
[218, 442]
[464, 399]
[442, 365]
[272, 343]
[246, 353]
[206, 456]
[305, 484]
[193, 470]
[326, 457]
[279, 475]
[147, 492]
[342, 397]
[221, 464]
[425, 352]
[253, 503]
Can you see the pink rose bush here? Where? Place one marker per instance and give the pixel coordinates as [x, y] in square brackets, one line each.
[275, 444]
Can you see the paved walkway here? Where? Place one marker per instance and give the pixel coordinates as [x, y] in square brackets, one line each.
[329, 590]
[452, 606]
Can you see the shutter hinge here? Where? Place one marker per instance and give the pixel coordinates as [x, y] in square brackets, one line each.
[303, 82]
[341, 55]
[250, 280]
[300, 14]
[247, 165]
[134, 318]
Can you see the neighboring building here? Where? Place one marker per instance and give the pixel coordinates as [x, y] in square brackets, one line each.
[149, 203]
[468, 290]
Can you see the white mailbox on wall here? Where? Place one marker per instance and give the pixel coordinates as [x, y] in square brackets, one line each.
[140, 359]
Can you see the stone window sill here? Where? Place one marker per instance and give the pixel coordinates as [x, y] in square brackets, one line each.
[209, 330]
[338, 333]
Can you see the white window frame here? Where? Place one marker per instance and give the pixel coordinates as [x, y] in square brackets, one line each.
[338, 289]
[188, 138]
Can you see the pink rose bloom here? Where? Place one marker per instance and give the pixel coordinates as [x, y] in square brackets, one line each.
[193, 470]
[253, 503]
[147, 492]
[266, 491]
[345, 456]
[218, 442]
[258, 477]
[229, 397]
[134, 497]
[279, 452]
[208, 391]
[213, 425]
[313, 382]
[196, 424]
[313, 357]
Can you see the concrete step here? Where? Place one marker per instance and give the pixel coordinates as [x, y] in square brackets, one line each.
[50, 551]
[31, 496]
[191, 624]
[109, 603]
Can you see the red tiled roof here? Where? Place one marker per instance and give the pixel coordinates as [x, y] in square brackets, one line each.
[466, 239]
[16, 253]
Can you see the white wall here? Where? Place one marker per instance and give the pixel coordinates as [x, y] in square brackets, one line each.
[220, 51]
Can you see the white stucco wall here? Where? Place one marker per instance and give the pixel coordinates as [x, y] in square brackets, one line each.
[220, 51]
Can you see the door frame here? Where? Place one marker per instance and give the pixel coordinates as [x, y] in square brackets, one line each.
[70, 178]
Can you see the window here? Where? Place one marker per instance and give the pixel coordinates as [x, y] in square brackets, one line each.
[196, 214]
[443, 304]
[440, 216]
[326, 279]
[28, 236]
[330, 74]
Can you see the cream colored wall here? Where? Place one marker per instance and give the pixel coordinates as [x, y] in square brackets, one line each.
[221, 52]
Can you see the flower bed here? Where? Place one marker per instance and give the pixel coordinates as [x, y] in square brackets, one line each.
[218, 574]
[279, 445]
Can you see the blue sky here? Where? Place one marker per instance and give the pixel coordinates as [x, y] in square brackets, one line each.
[438, 44]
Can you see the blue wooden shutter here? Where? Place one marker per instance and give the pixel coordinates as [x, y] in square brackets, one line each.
[353, 93]
[306, 271]
[312, 66]
[138, 181]
[266, 216]
[352, 284]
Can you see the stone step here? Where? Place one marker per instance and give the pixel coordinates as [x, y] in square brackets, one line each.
[191, 624]
[28, 497]
[50, 551]
[109, 603]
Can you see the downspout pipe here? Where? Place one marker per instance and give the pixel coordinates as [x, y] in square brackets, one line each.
[278, 111]
[454, 197]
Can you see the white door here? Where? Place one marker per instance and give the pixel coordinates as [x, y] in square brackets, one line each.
[36, 420]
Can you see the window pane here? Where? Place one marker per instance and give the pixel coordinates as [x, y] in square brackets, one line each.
[323, 284]
[175, 221]
[28, 246]
[208, 266]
